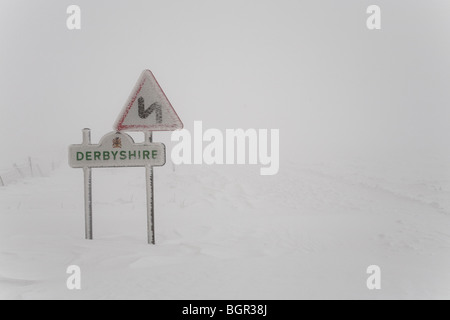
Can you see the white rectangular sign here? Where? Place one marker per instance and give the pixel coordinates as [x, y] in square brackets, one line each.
[117, 150]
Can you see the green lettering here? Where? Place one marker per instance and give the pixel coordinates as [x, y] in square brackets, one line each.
[131, 154]
[114, 153]
[97, 155]
[80, 156]
[123, 155]
[154, 154]
[89, 156]
[146, 154]
[106, 155]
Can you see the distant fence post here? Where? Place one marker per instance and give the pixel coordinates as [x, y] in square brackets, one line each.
[31, 166]
[39, 170]
[18, 170]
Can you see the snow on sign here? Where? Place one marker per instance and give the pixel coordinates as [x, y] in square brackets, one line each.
[116, 150]
[147, 108]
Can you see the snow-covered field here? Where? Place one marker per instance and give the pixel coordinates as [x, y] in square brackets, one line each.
[228, 233]
[364, 176]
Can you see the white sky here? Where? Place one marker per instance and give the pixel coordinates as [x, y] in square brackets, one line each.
[309, 68]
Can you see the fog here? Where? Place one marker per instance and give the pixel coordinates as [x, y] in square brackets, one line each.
[364, 165]
[309, 68]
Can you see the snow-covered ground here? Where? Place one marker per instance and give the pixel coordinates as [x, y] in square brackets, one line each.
[228, 233]
[336, 91]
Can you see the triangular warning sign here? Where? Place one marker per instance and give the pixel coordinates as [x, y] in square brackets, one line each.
[147, 108]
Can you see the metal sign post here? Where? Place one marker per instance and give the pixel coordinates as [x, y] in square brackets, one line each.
[150, 195]
[146, 110]
[87, 189]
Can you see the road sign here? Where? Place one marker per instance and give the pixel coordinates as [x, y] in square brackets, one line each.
[117, 150]
[147, 108]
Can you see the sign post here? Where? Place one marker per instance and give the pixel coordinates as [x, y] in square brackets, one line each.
[147, 110]
[87, 189]
[150, 195]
